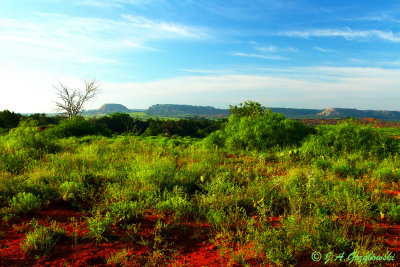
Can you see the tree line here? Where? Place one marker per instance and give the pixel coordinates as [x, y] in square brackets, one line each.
[116, 123]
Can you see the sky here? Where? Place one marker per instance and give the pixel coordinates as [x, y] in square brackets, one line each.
[293, 54]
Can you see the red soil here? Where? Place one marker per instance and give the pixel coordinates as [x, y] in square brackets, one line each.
[391, 193]
[192, 250]
[388, 232]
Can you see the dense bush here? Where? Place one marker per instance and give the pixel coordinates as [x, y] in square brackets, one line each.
[349, 137]
[253, 127]
[28, 140]
[42, 239]
[9, 119]
[122, 122]
[182, 127]
[44, 119]
[78, 127]
[24, 202]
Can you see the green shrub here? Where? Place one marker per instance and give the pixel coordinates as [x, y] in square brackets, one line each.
[26, 137]
[342, 169]
[24, 202]
[323, 164]
[217, 218]
[394, 212]
[99, 227]
[176, 202]
[216, 138]
[387, 172]
[70, 190]
[349, 137]
[14, 162]
[120, 258]
[42, 239]
[3, 131]
[78, 127]
[253, 127]
[126, 211]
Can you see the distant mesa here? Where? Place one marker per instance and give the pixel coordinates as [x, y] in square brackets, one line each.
[330, 112]
[111, 108]
[179, 111]
[182, 111]
[362, 114]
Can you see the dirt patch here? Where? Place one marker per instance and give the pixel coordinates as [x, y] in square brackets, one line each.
[189, 240]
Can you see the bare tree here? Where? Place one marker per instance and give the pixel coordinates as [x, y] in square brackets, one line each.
[71, 100]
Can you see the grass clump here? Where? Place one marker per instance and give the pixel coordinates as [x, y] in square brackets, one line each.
[120, 258]
[42, 239]
[24, 202]
[99, 227]
[125, 212]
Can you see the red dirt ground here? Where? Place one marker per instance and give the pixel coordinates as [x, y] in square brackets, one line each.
[191, 240]
[191, 251]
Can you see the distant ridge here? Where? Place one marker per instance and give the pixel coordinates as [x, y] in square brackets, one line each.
[362, 114]
[182, 111]
[172, 110]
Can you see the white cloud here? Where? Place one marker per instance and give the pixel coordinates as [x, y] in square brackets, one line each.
[306, 87]
[301, 87]
[270, 48]
[262, 56]
[166, 30]
[110, 3]
[62, 37]
[324, 50]
[346, 33]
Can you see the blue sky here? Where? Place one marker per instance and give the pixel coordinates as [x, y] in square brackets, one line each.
[301, 54]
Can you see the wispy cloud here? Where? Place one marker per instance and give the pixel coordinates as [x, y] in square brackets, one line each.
[381, 17]
[324, 50]
[272, 52]
[110, 3]
[270, 48]
[307, 87]
[208, 71]
[346, 33]
[261, 56]
[65, 37]
[166, 30]
[301, 87]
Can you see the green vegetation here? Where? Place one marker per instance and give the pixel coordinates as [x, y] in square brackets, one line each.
[42, 239]
[182, 111]
[270, 188]
[251, 127]
[389, 131]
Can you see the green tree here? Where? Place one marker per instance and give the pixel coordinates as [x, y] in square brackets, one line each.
[9, 119]
[247, 109]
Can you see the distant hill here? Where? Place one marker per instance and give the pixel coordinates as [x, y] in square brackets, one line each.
[297, 113]
[171, 110]
[346, 112]
[111, 108]
[182, 111]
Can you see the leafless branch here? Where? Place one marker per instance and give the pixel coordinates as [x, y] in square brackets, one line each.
[71, 101]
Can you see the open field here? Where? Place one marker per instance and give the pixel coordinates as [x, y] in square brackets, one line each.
[150, 201]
